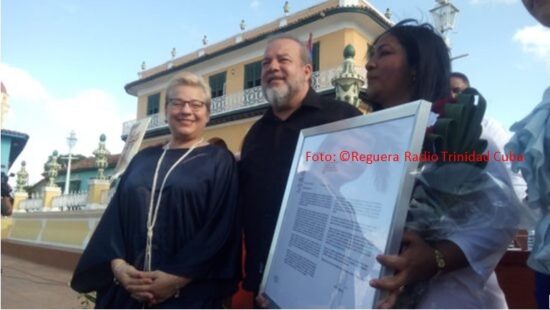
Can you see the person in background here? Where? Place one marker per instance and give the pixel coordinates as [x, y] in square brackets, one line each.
[532, 140]
[171, 235]
[459, 82]
[491, 128]
[7, 200]
[268, 148]
[410, 62]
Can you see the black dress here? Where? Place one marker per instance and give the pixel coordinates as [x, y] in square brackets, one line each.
[197, 233]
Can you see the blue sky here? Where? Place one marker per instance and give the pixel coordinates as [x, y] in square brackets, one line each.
[65, 62]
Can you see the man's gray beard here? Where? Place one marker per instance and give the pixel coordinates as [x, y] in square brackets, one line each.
[279, 99]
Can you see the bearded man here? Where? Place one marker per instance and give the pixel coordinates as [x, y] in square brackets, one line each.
[268, 148]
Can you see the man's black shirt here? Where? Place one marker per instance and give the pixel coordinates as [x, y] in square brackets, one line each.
[266, 157]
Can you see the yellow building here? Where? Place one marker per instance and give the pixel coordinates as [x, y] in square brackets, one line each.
[232, 67]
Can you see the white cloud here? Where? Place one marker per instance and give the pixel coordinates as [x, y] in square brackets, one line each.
[88, 109]
[48, 120]
[21, 85]
[535, 41]
[255, 4]
[493, 2]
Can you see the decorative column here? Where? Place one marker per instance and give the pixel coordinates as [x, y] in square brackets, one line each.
[242, 26]
[100, 184]
[348, 82]
[202, 52]
[171, 62]
[286, 9]
[387, 14]
[51, 190]
[21, 181]
[143, 68]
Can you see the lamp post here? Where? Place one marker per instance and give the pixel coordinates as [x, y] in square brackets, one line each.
[444, 18]
[71, 141]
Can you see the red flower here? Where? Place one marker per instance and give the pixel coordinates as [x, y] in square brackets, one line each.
[439, 106]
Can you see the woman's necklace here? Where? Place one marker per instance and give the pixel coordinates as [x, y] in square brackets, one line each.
[154, 207]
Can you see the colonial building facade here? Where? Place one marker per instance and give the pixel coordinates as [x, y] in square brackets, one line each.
[232, 67]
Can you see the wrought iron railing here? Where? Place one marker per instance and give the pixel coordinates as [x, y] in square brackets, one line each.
[70, 202]
[63, 203]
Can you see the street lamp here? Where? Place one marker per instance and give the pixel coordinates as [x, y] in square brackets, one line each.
[71, 141]
[444, 18]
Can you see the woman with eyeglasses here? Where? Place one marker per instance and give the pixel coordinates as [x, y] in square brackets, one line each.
[170, 237]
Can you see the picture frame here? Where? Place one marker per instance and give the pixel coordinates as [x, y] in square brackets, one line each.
[345, 202]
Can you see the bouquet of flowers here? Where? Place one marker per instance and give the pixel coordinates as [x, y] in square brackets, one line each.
[464, 190]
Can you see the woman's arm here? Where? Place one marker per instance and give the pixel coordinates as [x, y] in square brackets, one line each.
[418, 261]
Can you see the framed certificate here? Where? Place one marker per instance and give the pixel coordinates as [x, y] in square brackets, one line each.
[345, 202]
[133, 142]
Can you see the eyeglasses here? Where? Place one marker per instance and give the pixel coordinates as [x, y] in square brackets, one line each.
[178, 104]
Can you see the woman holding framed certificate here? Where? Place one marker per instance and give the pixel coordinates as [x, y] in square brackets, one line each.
[463, 214]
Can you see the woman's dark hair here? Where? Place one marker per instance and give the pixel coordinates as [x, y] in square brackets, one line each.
[428, 57]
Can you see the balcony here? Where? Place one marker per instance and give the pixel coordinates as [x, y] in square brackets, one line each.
[320, 81]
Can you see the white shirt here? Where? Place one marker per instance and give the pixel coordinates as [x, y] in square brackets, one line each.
[483, 243]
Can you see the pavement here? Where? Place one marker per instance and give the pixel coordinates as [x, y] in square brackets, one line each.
[29, 285]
